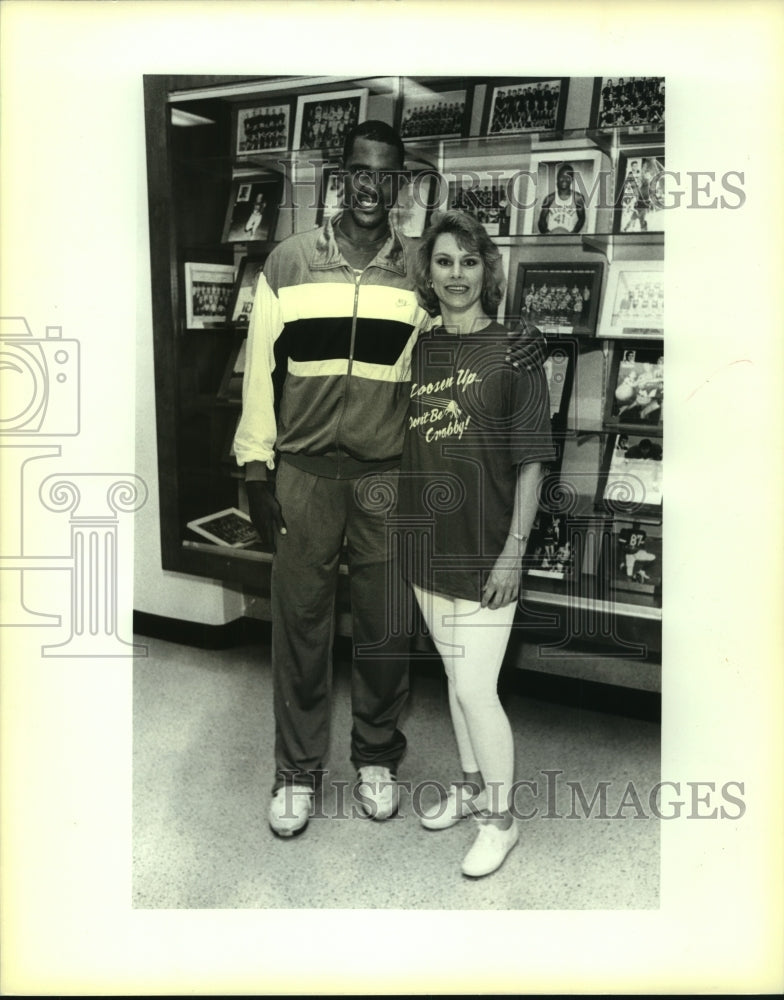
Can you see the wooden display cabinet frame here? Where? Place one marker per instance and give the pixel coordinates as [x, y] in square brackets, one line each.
[189, 367]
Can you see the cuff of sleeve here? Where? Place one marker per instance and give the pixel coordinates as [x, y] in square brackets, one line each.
[256, 472]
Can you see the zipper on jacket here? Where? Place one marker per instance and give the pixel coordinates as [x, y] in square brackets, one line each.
[357, 279]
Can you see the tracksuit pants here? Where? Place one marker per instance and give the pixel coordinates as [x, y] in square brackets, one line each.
[319, 512]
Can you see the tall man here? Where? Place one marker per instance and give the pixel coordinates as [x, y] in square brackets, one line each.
[338, 304]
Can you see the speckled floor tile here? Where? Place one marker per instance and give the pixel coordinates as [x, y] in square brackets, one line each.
[203, 732]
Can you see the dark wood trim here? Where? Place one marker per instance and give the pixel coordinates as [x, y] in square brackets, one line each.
[163, 258]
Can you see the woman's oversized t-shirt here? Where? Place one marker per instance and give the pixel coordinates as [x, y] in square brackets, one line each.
[472, 420]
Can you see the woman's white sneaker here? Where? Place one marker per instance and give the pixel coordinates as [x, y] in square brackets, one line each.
[459, 803]
[490, 849]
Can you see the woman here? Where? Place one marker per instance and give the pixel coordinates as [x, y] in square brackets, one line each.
[477, 433]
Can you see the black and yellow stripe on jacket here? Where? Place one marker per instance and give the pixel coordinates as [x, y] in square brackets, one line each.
[346, 341]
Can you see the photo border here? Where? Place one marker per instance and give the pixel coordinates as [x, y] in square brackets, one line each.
[632, 509]
[442, 85]
[503, 83]
[595, 268]
[268, 179]
[327, 169]
[624, 155]
[608, 562]
[236, 114]
[220, 270]
[248, 261]
[527, 215]
[647, 328]
[614, 423]
[596, 100]
[303, 100]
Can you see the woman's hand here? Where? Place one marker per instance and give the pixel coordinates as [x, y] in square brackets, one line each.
[503, 584]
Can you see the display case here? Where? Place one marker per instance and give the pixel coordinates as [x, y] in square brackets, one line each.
[564, 186]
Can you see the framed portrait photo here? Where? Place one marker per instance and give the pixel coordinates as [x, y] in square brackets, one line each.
[562, 194]
[635, 395]
[633, 102]
[634, 299]
[550, 551]
[330, 199]
[631, 559]
[324, 120]
[516, 105]
[253, 209]
[437, 110]
[208, 292]
[489, 196]
[559, 298]
[505, 303]
[262, 127]
[631, 477]
[230, 388]
[241, 304]
[415, 202]
[640, 192]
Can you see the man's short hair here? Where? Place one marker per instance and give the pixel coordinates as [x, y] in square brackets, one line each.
[377, 131]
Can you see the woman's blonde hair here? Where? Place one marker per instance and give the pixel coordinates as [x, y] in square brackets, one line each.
[470, 236]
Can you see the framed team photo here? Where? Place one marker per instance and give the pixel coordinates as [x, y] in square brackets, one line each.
[630, 481]
[253, 209]
[516, 105]
[633, 102]
[640, 197]
[487, 195]
[433, 110]
[241, 304]
[562, 193]
[635, 397]
[633, 300]
[631, 559]
[324, 120]
[262, 127]
[559, 298]
[208, 291]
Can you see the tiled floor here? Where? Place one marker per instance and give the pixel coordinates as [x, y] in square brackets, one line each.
[202, 771]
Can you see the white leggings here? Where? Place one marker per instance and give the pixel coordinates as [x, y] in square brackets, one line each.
[472, 641]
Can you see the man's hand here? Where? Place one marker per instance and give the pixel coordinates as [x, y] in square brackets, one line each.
[265, 512]
[527, 347]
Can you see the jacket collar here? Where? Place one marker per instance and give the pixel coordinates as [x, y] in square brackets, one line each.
[327, 252]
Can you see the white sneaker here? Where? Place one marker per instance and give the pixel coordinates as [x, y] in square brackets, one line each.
[460, 803]
[490, 849]
[289, 810]
[377, 792]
